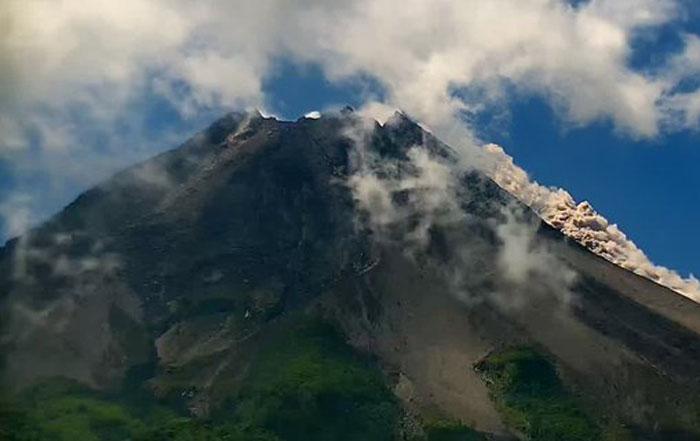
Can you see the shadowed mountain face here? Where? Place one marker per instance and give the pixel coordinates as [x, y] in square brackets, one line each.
[174, 273]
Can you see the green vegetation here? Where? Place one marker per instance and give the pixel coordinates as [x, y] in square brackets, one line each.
[445, 430]
[15, 423]
[62, 410]
[532, 399]
[304, 384]
[308, 385]
[186, 429]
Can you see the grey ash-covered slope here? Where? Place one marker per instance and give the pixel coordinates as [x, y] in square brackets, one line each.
[185, 261]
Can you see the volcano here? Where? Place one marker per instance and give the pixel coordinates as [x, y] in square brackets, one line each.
[335, 278]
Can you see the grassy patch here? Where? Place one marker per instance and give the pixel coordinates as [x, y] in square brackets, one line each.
[533, 400]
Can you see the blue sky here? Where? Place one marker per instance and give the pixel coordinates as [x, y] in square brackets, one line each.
[599, 97]
[651, 189]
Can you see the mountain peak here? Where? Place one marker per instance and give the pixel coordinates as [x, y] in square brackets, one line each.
[191, 262]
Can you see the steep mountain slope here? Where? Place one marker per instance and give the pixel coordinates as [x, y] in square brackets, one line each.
[176, 272]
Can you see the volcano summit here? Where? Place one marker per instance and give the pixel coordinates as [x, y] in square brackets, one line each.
[331, 278]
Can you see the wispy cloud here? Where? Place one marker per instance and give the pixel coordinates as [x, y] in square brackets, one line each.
[415, 199]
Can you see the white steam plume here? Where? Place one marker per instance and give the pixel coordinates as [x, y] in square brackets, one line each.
[405, 201]
[529, 264]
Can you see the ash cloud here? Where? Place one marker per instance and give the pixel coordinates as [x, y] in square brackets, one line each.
[581, 222]
[525, 260]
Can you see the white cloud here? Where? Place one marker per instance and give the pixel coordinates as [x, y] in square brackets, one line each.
[102, 54]
[377, 111]
[314, 114]
[682, 108]
[12, 137]
[577, 57]
[430, 186]
[16, 213]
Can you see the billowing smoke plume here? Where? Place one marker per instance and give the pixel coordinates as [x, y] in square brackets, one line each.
[433, 184]
[582, 223]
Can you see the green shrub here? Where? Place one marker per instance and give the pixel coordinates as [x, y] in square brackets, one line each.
[63, 410]
[187, 429]
[15, 422]
[533, 400]
[308, 385]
